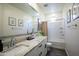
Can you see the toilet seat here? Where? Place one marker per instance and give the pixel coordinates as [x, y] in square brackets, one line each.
[49, 44]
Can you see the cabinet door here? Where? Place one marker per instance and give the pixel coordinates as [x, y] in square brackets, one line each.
[44, 47]
[72, 38]
[39, 49]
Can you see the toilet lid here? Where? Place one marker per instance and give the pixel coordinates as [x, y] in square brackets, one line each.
[49, 44]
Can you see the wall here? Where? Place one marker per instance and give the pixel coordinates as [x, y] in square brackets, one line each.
[71, 34]
[0, 20]
[53, 16]
[55, 32]
[55, 22]
[1, 13]
[65, 10]
[56, 29]
[67, 6]
[10, 11]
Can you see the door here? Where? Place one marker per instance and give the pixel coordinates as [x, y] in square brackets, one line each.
[72, 38]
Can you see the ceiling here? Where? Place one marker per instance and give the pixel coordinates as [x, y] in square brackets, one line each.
[46, 8]
[51, 7]
[25, 7]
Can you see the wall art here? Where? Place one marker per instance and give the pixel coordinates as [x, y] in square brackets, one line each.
[11, 21]
[20, 22]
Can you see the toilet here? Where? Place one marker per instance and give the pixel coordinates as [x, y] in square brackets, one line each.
[49, 46]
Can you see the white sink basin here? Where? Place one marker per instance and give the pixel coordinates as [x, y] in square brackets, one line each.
[30, 44]
[20, 50]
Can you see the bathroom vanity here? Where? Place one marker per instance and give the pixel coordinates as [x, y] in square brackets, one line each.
[40, 49]
[35, 47]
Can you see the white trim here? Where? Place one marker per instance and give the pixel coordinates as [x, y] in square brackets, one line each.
[66, 51]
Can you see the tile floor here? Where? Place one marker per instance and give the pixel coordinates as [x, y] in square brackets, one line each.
[56, 52]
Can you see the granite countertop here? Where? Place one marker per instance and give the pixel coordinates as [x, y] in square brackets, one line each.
[23, 49]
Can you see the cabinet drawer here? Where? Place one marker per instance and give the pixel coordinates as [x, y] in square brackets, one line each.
[36, 51]
[33, 52]
[43, 48]
[39, 50]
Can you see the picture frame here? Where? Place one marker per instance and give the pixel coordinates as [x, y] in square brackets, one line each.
[75, 11]
[20, 22]
[69, 16]
[11, 21]
[78, 9]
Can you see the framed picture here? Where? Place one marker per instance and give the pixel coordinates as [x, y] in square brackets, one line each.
[11, 21]
[78, 9]
[20, 22]
[75, 11]
[69, 16]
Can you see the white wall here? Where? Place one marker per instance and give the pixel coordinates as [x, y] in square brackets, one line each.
[1, 17]
[55, 33]
[67, 45]
[10, 11]
[71, 34]
[55, 29]
[55, 16]
[55, 21]
[0, 20]
[67, 6]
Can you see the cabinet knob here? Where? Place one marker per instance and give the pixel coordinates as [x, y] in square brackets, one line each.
[40, 45]
[40, 54]
[45, 46]
[75, 25]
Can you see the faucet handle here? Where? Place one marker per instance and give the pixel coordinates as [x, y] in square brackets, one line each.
[13, 40]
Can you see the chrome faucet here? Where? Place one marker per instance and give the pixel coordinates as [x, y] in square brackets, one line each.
[12, 43]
